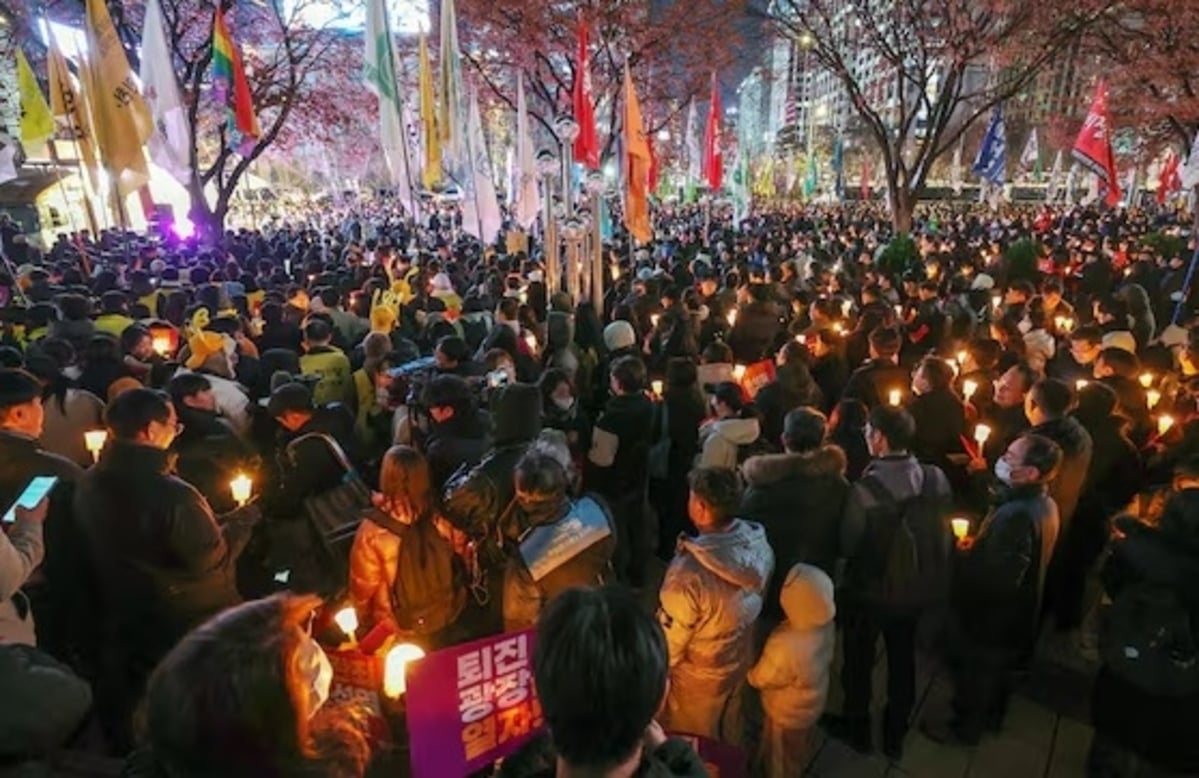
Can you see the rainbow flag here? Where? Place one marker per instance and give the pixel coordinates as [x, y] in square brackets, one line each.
[231, 89]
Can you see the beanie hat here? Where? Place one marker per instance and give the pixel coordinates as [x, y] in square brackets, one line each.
[618, 335]
[122, 385]
[203, 345]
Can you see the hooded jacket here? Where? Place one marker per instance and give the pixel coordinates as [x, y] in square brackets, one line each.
[793, 671]
[793, 387]
[710, 599]
[559, 347]
[721, 438]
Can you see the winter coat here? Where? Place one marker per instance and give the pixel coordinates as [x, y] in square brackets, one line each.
[1113, 476]
[374, 558]
[64, 425]
[209, 455]
[873, 382]
[793, 672]
[44, 704]
[460, 441]
[1132, 405]
[721, 439]
[831, 374]
[617, 462]
[792, 388]
[308, 467]
[1066, 487]
[1000, 580]
[940, 424]
[560, 349]
[673, 759]
[753, 336]
[232, 401]
[710, 598]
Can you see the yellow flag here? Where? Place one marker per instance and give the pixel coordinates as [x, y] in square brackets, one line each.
[36, 122]
[67, 103]
[120, 116]
[636, 147]
[428, 119]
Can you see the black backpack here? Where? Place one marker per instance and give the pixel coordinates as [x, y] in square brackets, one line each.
[912, 546]
[429, 593]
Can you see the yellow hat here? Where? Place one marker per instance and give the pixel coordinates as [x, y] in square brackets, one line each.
[202, 346]
[383, 318]
[299, 300]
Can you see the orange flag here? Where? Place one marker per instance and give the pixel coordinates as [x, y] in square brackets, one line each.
[637, 166]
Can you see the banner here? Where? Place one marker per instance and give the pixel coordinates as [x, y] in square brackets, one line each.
[713, 167]
[991, 163]
[586, 145]
[1093, 149]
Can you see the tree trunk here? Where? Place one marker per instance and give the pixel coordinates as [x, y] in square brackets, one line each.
[903, 207]
[208, 225]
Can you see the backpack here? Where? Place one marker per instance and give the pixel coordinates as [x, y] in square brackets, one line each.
[429, 591]
[1148, 639]
[914, 556]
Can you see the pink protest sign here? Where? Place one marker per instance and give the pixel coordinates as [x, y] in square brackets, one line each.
[471, 704]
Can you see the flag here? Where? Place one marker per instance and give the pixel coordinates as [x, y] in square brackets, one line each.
[428, 118]
[481, 215]
[637, 166]
[955, 168]
[838, 164]
[1130, 188]
[120, 118]
[526, 199]
[991, 163]
[170, 143]
[1190, 173]
[713, 168]
[231, 89]
[586, 148]
[1168, 181]
[1071, 182]
[695, 160]
[741, 193]
[452, 110]
[1030, 158]
[1053, 189]
[37, 124]
[379, 73]
[1093, 149]
[8, 158]
[812, 178]
[866, 179]
[66, 103]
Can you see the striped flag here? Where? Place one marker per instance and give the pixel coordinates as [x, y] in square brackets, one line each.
[231, 89]
[451, 115]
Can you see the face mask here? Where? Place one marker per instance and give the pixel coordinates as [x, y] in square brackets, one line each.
[318, 673]
[1003, 471]
[564, 403]
[1025, 326]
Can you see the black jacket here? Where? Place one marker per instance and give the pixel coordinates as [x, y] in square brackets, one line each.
[940, 424]
[873, 382]
[673, 759]
[1114, 476]
[1000, 580]
[792, 388]
[1133, 406]
[209, 456]
[460, 441]
[309, 468]
[753, 336]
[630, 419]
[831, 374]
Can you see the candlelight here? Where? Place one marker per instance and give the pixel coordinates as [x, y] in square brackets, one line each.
[615, 270]
[961, 527]
[962, 355]
[1164, 423]
[395, 667]
[738, 372]
[1080, 383]
[1059, 322]
[732, 318]
[654, 319]
[1146, 380]
[996, 301]
[531, 341]
[846, 307]
[241, 487]
[801, 339]
[899, 311]
[838, 328]
[894, 397]
[981, 433]
[94, 440]
[969, 388]
[1153, 397]
[656, 386]
[161, 345]
[347, 620]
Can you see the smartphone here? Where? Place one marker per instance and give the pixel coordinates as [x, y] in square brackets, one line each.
[497, 378]
[34, 493]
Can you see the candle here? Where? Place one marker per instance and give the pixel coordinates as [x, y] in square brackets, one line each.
[347, 620]
[981, 433]
[1059, 322]
[969, 388]
[657, 388]
[615, 270]
[654, 319]
[894, 397]
[161, 345]
[899, 311]
[1067, 323]
[94, 440]
[846, 307]
[531, 341]
[838, 328]
[801, 339]
[962, 355]
[241, 487]
[1153, 397]
[1080, 383]
[738, 372]
[395, 667]
[732, 318]
[1146, 380]
[1164, 423]
[996, 301]
[961, 527]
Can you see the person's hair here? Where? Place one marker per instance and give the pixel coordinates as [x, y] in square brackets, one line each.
[449, 391]
[509, 308]
[454, 348]
[185, 385]
[629, 373]
[600, 665]
[1043, 454]
[885, 341]
[1024, 288]
[795, 352]
[717, 353]
[895, 424]
[1028, 374]
[376, 347]
[231, 698]
[1010, 336]
[804, 429]
[1051, 285]
[719, 489]
[17, 387]
[317, 330]
[986, 352]
[131, 412]
[1123, 363]
[1089, 333]
[540, 478]
[1055, 398]
[405, 480]
[73, 307]
[493, 357]
[550, 380]
[132, 335]
[938, 372]
[1116, 308]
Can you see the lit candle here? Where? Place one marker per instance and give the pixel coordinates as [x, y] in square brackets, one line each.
[846, 307]
[981, 433]
[801, 339]
[241, 487]
[395, 668]
[996, 301]
[1164, 423]
[1059, 322]
[899, 311]
[94, 440]
[962, 355]
[738, 372]
[1153, 397]
[531, 341]
[969, 388]
[1146, 380]
[838, 328]
[961, 527]
[1067, 323]
[894, 397]
[615, 271]
[654, 319]
[657, 388]
[347, 620]
[1080, 383]
[161, 345]
[732, 318]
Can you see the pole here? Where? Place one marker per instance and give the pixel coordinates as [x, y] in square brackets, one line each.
[572, 255]
[597, 262]
[553, 275]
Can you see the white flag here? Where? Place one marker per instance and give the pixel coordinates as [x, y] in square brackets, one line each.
[8, 158]
[1053, 188]
[379, 73]
[1130, 188]
[1032, 152]
[480, 208]
[955, 171]
[526, 202]
[1190, 173]
[170, 143]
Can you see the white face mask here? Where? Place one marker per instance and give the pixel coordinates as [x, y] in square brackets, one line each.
[564, 403]
[1025, 326]
[317, 670]
[1003, 471]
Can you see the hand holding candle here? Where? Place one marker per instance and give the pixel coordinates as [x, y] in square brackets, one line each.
[161, 345]
[981, 433]
[94, 440]
[347, 621]
[1153, 397]
[1164, 423]
[242, 488]
[969, 388]
[395, 668]
[657, 387]
[961, 527]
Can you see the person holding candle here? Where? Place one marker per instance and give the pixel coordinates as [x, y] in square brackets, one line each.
[938, 412]
[873, 381]
[757, 326]
[68, 411]
[727, 437]
[1119, 370]
[792, 387]
[1078, 362]
[209, 451]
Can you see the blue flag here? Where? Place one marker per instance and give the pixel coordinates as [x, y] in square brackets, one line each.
[991, 163]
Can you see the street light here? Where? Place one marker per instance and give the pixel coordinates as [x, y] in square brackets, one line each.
[664, 135]
[547, 167]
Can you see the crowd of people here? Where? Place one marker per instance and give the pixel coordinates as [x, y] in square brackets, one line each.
[778, 441]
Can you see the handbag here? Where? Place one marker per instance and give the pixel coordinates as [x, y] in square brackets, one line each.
[334, 514]
[659, 452]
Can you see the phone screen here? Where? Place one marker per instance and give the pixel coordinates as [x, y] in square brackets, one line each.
[37, 489]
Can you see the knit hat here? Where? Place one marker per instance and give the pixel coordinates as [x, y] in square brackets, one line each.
[619, 334]
[293, 396]
[203, 345]
[122, 385]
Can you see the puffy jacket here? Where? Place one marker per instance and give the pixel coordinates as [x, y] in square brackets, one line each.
[793, 671]
[459, 442]
[792, 388]
[373, 561]
[209, 455]
[720, 440]
[617, 461]
[872, 382]
[710, 599]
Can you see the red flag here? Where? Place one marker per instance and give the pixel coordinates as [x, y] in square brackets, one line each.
[1093, 149]
[1169, 182]
[653, 163]
[866, 177]
[587, 150]
[713, 162]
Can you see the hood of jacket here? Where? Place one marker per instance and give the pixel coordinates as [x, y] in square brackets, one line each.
[739, 555]
[807, 597]
[516, 414]
[740, 432]
[559, 330]
[1066, 432]
[772, 468]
